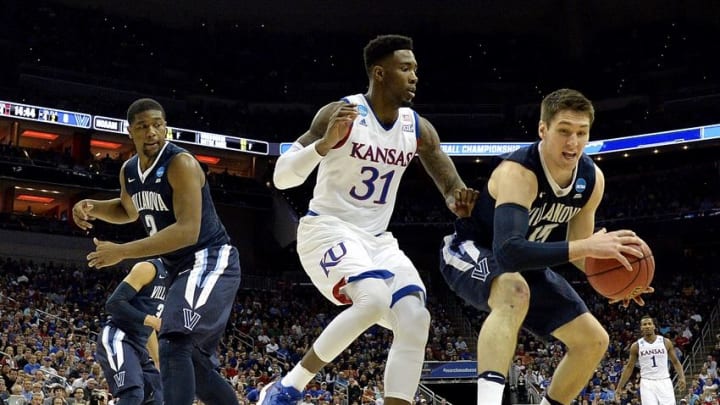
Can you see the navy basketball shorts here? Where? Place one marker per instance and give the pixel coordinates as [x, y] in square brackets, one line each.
[126, 365]
[469, 271]
[201, 296]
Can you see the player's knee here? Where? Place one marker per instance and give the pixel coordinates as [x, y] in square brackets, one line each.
[372, 297]
[592, 342]
[511, 292]
[413, 322]
[601, 341]
[414, 314]
[144, 266]
[414, 326]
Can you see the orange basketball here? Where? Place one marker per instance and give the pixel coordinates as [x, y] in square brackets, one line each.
[612, 280]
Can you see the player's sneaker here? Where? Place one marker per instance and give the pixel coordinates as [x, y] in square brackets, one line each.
[277, 394]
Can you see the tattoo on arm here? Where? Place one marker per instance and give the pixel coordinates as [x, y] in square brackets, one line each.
[436, 162]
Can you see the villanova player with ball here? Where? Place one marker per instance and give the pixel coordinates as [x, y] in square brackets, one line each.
[536, 211]
[362, 145]
[652, 351]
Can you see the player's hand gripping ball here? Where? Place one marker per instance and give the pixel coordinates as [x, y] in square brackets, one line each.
[612, 280]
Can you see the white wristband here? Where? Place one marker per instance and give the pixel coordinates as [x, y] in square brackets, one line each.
[295, 165]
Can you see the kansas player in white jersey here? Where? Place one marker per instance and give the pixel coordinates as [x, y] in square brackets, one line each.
[652, 352]
[536, 211]
[363, 144]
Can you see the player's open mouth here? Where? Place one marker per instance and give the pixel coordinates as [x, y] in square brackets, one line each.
[411, 93]
[569, 156]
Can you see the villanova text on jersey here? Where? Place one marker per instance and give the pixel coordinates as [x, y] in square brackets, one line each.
[553, 208]
[158, 292]
[149, 200]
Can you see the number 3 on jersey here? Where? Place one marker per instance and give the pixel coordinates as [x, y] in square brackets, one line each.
[150, 224]
[368, 190]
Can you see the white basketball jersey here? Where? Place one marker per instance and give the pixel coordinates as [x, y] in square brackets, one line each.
[653, 359]
[358, 180]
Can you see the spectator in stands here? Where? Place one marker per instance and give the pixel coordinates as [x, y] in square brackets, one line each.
[4, 393]
[16, 395]
[711, 366]
[27, 388]
[307, 400]
[56, 391]
[37, 398]
[691, 398]
[32, 364]
[78, 397]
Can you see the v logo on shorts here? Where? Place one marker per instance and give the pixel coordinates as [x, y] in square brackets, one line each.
[332, 257]
[119, 379]
[190, 318]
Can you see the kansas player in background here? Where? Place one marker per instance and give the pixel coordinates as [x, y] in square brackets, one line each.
[363, 145]
[128, 344]
[165, 187]
[652, 351]
[536, 211]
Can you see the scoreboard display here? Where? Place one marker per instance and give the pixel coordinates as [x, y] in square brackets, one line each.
[218, 141]
[201, 138]
[45, 115]
[119, 126]
[56, 116]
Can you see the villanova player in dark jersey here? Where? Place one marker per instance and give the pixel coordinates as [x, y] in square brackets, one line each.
[536, 211]
[128, 344]
[164, 186]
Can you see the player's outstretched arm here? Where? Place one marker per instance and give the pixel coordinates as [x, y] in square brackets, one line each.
[438, 164]
[331, 125]
[115, 211]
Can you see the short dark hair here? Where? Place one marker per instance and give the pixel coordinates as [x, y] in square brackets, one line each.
[142, 105]
[382, 46]
[565, 99]
[648, 317]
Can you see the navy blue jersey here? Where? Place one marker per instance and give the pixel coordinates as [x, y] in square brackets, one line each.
[149, 300]
[551, 211]
[152, 196]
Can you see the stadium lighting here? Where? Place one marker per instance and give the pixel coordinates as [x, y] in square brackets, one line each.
[48, 136]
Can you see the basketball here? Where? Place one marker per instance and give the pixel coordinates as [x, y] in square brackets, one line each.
[612, 280]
